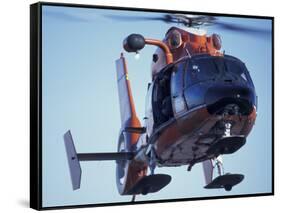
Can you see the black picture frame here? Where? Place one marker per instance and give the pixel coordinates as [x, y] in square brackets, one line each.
[36, 104]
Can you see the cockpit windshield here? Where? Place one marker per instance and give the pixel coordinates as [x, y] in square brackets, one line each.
[226, 69]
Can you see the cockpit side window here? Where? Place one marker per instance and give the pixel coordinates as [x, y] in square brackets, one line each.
[177, 87]
[237, 70]
[161, 98]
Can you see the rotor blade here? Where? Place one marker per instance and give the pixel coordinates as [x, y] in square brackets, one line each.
[194, 21]
[241, 28]
[65, 16]
[133, 18]
[165, 18]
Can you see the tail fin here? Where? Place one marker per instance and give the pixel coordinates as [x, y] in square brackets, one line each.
[130, 128]
[129, 118]
[73, 161]
[127, 106]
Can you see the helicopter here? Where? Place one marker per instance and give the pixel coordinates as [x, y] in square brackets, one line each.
[201, 104]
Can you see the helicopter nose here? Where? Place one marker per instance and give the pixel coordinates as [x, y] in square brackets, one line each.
[234, 99]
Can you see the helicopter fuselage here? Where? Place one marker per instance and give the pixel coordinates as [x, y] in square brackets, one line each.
[200, 104]
[189, 103]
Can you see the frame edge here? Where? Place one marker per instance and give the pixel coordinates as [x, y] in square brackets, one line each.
[35, 188]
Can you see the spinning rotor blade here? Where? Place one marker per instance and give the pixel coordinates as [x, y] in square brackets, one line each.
[195, 21]
[242, 29]
[165, 18]
[188, 20]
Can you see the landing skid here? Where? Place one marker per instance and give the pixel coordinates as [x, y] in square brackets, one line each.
[150, 184]
[227, 145]
[226, 181]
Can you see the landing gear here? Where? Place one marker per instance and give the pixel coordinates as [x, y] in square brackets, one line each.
[227, 144]
[226, 181]
[228, 187]
[153, 182]
[152, 159]
[133, 198]
[150, 184]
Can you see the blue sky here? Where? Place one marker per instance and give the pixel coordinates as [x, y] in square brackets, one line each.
[79, 50]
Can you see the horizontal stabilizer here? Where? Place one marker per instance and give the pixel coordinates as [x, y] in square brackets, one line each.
[137, 130]
[74, 159]
[73, 162]
[105, 156]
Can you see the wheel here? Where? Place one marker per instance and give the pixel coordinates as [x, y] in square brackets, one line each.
[145, 190]
[228, 188]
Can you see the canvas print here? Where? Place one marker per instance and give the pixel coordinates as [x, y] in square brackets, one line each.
[150, 106]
